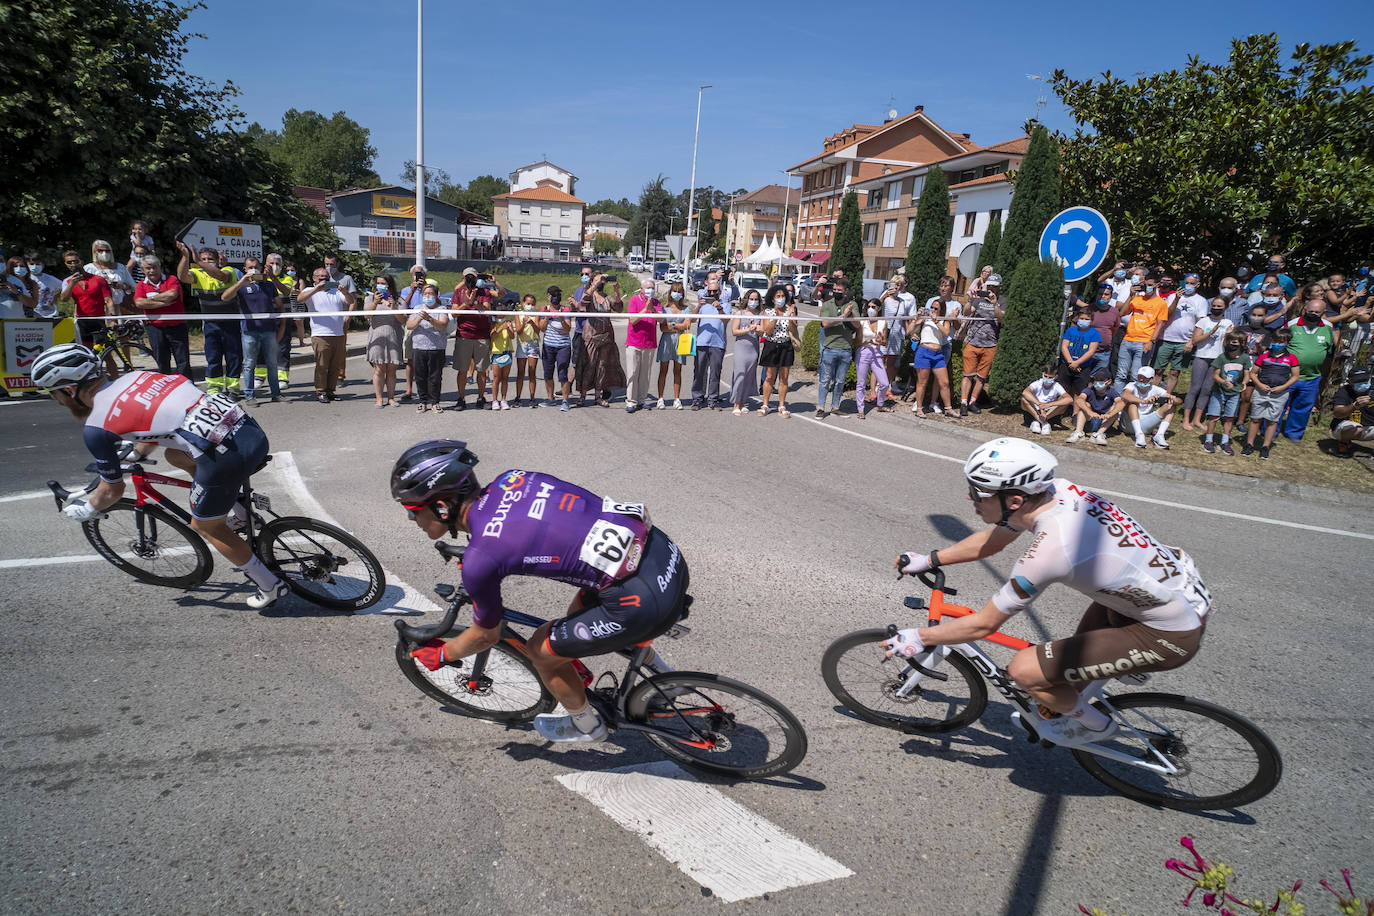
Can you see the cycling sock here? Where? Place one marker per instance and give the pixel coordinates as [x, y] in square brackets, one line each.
[262, 577]
[586, 720]
[1090, 717]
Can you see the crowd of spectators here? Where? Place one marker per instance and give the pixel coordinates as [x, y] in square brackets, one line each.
[1260, 352]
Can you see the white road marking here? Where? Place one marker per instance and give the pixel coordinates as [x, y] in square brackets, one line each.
[284, 467]
[714, 840]
[48, 561]
[36, 494]
[1131, 496]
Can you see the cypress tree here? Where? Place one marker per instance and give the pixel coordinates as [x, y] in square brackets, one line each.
[992, 239]
[1035, 198]
[847, 252]
[1030, 333]
[927, 255]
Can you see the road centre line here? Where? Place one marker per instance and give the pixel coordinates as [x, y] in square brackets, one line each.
[1114, 493]
[714, 840]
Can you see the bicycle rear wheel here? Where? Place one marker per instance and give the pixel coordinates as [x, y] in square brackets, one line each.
[151, 544]
[717, 724]
[321, 563]
[509, 689]
[866, 683]
[1224, 760]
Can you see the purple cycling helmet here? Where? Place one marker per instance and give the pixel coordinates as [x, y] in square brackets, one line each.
[434, 469]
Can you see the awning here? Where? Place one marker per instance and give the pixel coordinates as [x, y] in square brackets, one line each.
[819, 257]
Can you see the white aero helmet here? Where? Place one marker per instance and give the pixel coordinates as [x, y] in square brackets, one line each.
[1009, 464]
[64, 364]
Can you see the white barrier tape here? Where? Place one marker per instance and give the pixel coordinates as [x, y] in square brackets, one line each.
[356, 313]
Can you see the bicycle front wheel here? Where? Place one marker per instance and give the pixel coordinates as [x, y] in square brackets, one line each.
[321, 563]
[866, 682]
[151, 544]
[1223, 760]
[717, 724]
[508, 690]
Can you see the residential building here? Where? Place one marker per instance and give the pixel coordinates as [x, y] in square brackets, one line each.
[758, 216]
[542, 223]
[602, 224]
[381, 221]
[543, 174]
[979, 190]
[859, 154]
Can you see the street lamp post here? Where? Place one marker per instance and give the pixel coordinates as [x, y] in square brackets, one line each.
[786, 200]
[420, 132]
[691, 239]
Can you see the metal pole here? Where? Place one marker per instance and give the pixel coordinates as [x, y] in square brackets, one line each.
[420, 133]
[691, 239]
[787, 198]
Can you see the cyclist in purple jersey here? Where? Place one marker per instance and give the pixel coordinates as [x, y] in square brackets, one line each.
[632, 578]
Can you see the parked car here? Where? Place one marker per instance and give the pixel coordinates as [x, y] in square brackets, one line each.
[699, 277]
[784, 279]
[673, 274]
[660, 270]
[751, 280]
[806, 289]
[636, 265]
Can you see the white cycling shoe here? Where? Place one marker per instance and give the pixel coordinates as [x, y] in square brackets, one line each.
[267, 598]
[562, 729]
[1066, 731]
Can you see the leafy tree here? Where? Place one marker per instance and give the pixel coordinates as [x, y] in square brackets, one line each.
[927, 257]
[1199, 167]
[992, 239]
[1035, 302]
[652, 217]
[604, 243]
[436, 180]
[847, 253]
[1035, 198]
[707, 241]
[335, 153]
[623, 208]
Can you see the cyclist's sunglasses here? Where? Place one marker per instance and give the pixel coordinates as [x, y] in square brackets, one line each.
[978, 495]
[411, 510]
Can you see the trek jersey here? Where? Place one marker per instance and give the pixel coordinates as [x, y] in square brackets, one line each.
[1094, 547]
[166, 409]
[531, 524]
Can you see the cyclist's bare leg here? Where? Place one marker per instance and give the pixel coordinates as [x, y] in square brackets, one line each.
[217, 531]
[558, 674]
[1025, 671]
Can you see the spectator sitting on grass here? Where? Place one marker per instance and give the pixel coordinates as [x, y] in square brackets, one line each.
[1275, 371]
[1097, 408]
[1352, 420]
[1077, 347]
[1044, 400]
[1149, 408]
[1229, 371]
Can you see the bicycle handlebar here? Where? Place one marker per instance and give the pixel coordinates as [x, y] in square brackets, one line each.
[417, 635]
[61, 495]
[934, 579]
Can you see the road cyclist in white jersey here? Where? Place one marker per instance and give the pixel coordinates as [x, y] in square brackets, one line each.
[1149, 606]
[209, 436]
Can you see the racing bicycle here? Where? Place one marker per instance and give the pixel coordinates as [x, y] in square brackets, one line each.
[117, 341]
[1169, 750]
[706, 721]
[150, 538]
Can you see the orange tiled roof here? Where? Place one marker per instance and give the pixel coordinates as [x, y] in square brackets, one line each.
[554, 194]
[986, 179]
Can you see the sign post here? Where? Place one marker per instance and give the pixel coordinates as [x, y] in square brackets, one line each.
[237, 240]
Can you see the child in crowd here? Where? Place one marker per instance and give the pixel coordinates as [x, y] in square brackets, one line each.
[1273, 373]
[1229, 372]
[502, 356]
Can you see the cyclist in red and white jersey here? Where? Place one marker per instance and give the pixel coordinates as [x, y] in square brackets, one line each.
[207, 435]
[1149, 606]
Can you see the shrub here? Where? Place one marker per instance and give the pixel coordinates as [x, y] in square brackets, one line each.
[1030, 333]
[926, 256]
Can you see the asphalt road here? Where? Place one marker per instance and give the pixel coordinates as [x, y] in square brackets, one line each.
[176, 752]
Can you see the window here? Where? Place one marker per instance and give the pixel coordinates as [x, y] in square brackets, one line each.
[870, 234]
[565, 232]
[969, 220]
[965, 175]
[994, 215]
[546, 211]
[524, 210]
[524, 230]
[889, 233]
[566, 213]
[894, 194]
[875, 198]
[910, 230]
[429, 224]
[545, 231]
[369, 222]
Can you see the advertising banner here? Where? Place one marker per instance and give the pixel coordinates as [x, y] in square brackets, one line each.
[24, 340]
[392, 205]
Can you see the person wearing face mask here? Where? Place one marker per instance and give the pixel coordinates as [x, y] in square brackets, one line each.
[49, 287]
[1313, 343]
[274, 273]
[408, 298]
[641, 345]
[223, 340]
[1352, 419]
[671, 327]
[1096, 408]
[872, 340]
[1077, 347]
[601, 370]
[1270, 295]
[385, 333]
[255, 296]
[1275, 372]
[135, 264]
[1209, 338]
[710, 340]
[93, 300]
[556, 348]
[1045, 399]
[1149, 409]
[527, 329]
[745, 328]
[780, 341]
[898, 307]
[1145, 316]
[1118, 279]
[116, 275]
[428, 323]
[472, 343]
[1229, 371]
[837, 347]
[584, 284]
[980, 342]
[18, 292]
[1106, 321]
[159, 294]
[929, 334]
[327, 331]
[1237, 303]
[944, 307]
[1175, 349]
[1275, 267]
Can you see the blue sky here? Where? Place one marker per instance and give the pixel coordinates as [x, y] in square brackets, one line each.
[505, 84]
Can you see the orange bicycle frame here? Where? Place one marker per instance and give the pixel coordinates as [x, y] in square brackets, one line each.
[940, 608]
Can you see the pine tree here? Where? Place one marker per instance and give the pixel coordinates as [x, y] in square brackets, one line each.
[992, 239]
[927, 257]
[1030, 333]
[847, 253]
[1035, 198]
